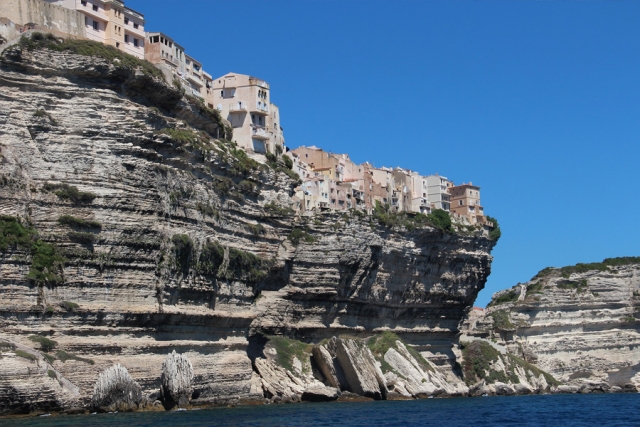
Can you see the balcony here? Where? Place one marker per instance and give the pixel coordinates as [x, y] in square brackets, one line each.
[239, 107]
[261, 109]
[423, 202]
[195, 79]
[259, 133]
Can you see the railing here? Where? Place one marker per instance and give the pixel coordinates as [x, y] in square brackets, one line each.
[260, 133]
[133, 13]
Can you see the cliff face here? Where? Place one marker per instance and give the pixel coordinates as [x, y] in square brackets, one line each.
[145, 234]
[577, 323]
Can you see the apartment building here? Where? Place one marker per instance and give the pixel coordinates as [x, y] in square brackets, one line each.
[162, 51]
[438, 192]
[112, 23]
[419, 192]
[465, 201]
[193, 77]
[246, 102]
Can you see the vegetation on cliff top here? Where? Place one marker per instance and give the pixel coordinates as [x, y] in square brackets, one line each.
[89, 48]
[585, 267]
[70, 192]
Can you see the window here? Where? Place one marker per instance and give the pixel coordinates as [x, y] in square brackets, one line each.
[135, 25]
[135, 42]
[96, 26]
[95, 7]
[84, 3]
[126, 21]
[126, 38]
[221, 94]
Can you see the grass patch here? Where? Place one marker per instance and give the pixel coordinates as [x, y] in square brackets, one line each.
[477, 359]
[536, 371]
[52, 374]
[46, 344]
[298, 235]
[89, 48]
[25, 355]
[70, 192]
[380, 344]
[287, 349]
[64, 356]
[207, 210]
[184, 136]
[210, 258]
[50, 358]
[535, 288]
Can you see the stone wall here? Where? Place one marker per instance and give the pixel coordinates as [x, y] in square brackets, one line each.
[44, 15]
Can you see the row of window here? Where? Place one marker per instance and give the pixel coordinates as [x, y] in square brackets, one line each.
[262, 94]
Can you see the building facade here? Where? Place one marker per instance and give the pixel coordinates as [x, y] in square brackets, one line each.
[246, 102]
[438, 192]
[111, 23]
[465, 201]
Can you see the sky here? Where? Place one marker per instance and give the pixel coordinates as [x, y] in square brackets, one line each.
[537, 102]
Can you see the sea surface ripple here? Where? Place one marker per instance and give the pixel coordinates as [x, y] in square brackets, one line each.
[547, 410]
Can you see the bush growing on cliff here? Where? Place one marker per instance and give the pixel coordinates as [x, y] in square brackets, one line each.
[46, 262]
[182, 249]
[495, 232]
[478, 356]
[76, 222]
[298, 235]
[64, 356]
[210, 258]
[46, 344]
[510, 296]
[501, 321]
[274, 209]
[89, 48]
[70, 192]
[440, 219]
[43, 113]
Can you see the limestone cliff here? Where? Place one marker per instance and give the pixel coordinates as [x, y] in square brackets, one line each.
[132, 228]
[577, 323]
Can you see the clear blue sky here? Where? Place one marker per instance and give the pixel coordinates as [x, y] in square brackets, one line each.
[537, 102]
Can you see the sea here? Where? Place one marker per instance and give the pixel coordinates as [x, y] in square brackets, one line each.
[538, 410]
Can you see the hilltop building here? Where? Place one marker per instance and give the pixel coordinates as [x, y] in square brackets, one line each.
[438, 192]
[110, 22]
[465, 201]
[246, 102]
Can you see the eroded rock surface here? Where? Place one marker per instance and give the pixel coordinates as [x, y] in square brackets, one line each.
[181, 243]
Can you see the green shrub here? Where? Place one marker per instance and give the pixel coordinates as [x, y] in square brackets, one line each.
[43, 113]
[256, 229]
[535, 288]
[287, 162]
[50, 358]
[246, 186]
[222, 185]
[46, 262]
[277, 210]
[208, 210]
[211, 258]
[46, 344]
[52, 374]
[184, 136]
[510, 296]
[478, 356]
[579, 286]
[182, 248]
[298, 235]
[69, 306]
[241, 262]
[46, 265]
[25, 355]
[82, 237]
[287, 349]
[76, 222]
[501, 320]
[70, 192]
[89, 48]
[495, 232]
[440, 219]
[64, 356]
[13, 234]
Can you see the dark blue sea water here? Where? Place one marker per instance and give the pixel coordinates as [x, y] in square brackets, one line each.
[556, 410]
